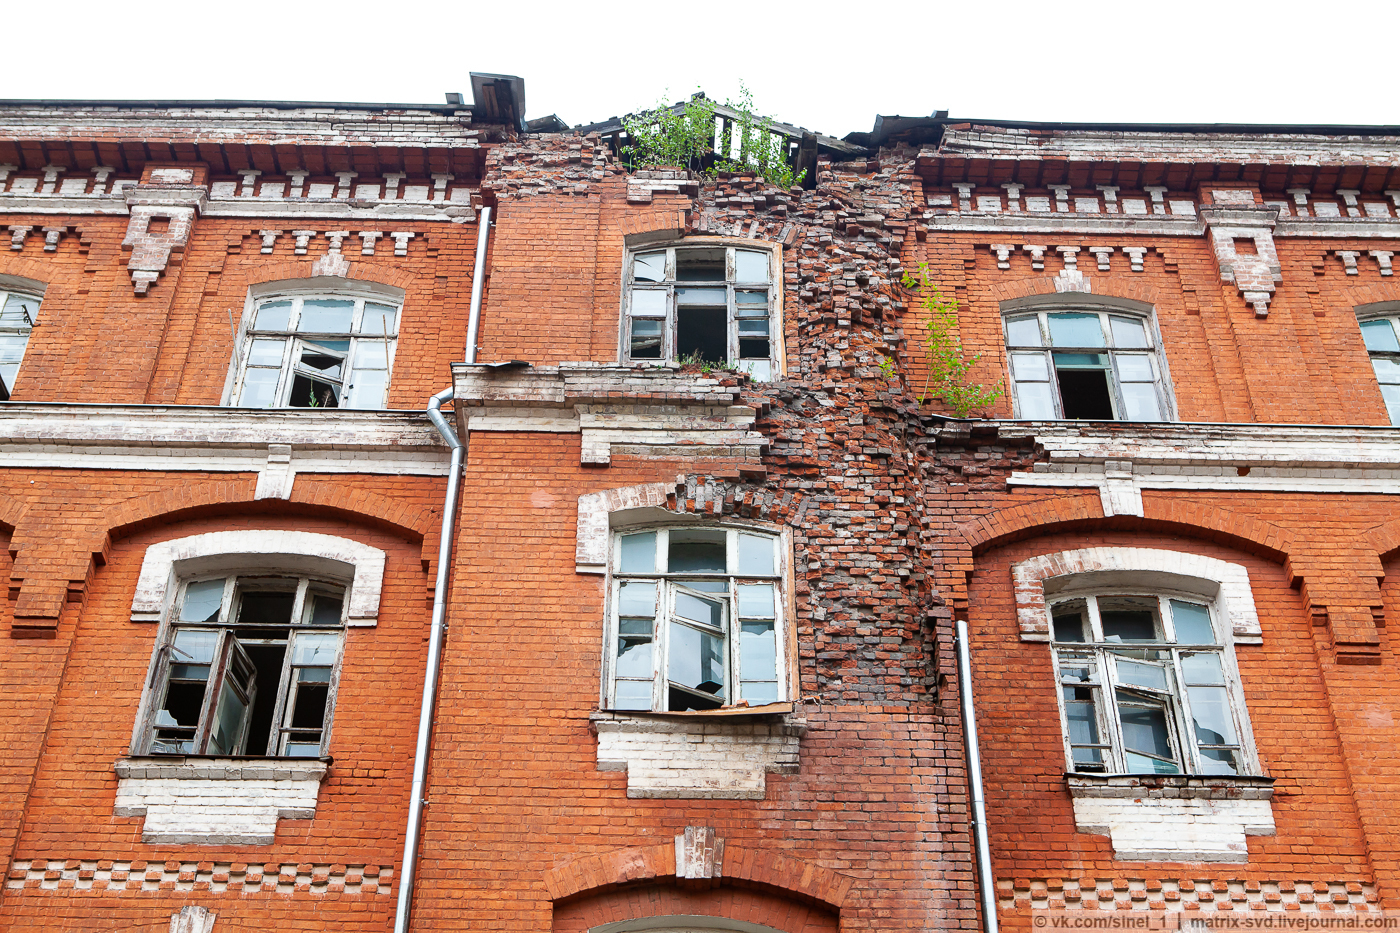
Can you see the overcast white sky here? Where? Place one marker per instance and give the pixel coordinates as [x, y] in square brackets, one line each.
[827, 66]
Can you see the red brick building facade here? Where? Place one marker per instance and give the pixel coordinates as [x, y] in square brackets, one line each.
[692, 662]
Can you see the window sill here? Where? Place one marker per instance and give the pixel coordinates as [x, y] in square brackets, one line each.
[1172, 786]
[223, 768]
[206, 800]
[720, 754]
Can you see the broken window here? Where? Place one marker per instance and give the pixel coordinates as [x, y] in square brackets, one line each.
[695, 620]
[1147, 686]
[18, 313]
[318, 351]
[1384, 348]
[704, 304]
[1085, 364]
[248, 667]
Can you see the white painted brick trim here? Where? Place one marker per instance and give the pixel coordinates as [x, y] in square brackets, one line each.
[1167, 830]
[216, 801]
[1225, 583]
[595, 520]
[359, 565]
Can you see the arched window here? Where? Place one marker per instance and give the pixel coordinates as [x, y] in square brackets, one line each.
[1146, 685]
[19, 312]
[1100, 364]
[694, 619]
[705, 303]
[1379, 327]
[311, 348]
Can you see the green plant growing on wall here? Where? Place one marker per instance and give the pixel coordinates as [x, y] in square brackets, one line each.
[687, 135]
[948, 362]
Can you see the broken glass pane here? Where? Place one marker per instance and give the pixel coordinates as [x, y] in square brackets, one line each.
[1210, 716]
[1192, 623]
[751, 304]
[1023, 332]
[1146, 739]
[326, 316]
[1083, 721]
[646, 339]
[315, 648]
[202, 601]
[273, 315]
[702, 333]
[265, 608]
[1387, 369]
[639, 553]
[696, 660]
[308, 392]
[1128, 618]
[1379, 337]
[1069, 621]
[700, 296]
[696, 552]
[750, 266]
[1219, 761]
[634, 656]
[700, 265]
[1075, 330]
[1127, 332]
[191, 654]
[649, 267]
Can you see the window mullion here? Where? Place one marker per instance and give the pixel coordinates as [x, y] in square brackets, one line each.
[661, 638]
[1110, 697]
[284, 706]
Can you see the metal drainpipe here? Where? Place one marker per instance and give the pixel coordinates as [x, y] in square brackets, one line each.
[438, 631]
[986, 886]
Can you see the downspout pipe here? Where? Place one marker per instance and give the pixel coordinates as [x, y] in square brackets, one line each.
[986, 885]
[438, 631]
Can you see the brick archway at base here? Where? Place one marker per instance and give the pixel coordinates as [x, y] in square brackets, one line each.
[718, 898]
[789, 876]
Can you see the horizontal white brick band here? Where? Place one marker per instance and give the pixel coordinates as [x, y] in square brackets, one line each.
[209, 802]
[699, 757]
[1175, 830]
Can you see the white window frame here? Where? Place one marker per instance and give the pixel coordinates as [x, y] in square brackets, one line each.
[17, 292]
[1153, 353]
[228, 653]
[668, 285]
[369, 346]
[1384, 359]
[668, 585]
[1105, 657]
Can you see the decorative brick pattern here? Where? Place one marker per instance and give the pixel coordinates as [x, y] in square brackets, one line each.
[1205, 895]
[215, 877]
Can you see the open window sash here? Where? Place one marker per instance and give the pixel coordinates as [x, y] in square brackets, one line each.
[233, 692]
[697, 649]
[1148, 716]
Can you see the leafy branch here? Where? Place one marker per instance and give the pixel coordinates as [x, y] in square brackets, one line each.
[948, 362]
[687, 135]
